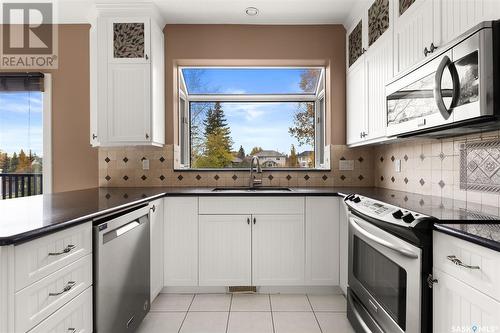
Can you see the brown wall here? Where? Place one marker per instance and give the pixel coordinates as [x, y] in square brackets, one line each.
[74, 161]
[258, 45]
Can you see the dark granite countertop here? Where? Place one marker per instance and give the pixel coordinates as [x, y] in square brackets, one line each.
[26, 218]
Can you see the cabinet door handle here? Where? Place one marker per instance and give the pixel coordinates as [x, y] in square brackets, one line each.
[147, 136]
[426, 51]
[153, 208]
[65, 250]
[459, 262]
[254, 220]
[248, 220]
[146, 56]
[94, 136]
[66, 288]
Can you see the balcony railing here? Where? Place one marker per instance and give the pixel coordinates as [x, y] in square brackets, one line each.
[15, 185]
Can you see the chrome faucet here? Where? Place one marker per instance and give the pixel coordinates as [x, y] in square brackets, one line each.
[254, 180]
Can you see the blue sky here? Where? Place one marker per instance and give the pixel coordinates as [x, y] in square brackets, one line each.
[244, 80]
[21, 122]
[253, 124]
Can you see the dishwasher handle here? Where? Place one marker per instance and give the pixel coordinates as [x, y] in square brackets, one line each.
[115, 233]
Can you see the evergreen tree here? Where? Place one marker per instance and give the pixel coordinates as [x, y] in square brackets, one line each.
[4, 163]
[293, 160]
[14, 162]
[24, 162]
[241, 153]
[216, 124]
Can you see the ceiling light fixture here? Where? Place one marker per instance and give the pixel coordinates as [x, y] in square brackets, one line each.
[251, 11]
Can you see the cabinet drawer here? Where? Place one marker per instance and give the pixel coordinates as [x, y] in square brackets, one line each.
[39, 258]
[251, 205]
[36, 302]
[484, 279]
[74, 317]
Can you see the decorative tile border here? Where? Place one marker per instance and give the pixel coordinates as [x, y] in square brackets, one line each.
[480, 166]
[122, 167]
[404, 5]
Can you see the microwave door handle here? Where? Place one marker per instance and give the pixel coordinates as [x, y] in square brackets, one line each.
[383, 242]
[438, 92]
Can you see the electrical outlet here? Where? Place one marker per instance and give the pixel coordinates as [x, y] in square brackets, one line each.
[346, 165]
[397, 165]
[145, 164]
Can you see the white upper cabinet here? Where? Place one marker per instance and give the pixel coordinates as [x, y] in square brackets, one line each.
[356, 106]
[370, 66]
[127, 79]
[379, 70]
[454, 17]
[413, 32]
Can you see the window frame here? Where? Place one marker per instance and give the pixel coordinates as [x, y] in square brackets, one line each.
[47, 134]
[319, 96]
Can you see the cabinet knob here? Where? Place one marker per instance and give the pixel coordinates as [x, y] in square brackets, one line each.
[94, 136]
[147, 136]
[153, 208]
[254, 220]
[248, 220]
[426, 51]
[433, 48]
[146, 56]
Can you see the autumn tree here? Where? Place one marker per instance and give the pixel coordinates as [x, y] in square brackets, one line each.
[293, 160]
[303, 119]
[256, 150]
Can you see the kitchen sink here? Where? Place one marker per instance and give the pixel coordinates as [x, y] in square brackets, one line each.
[252, 189]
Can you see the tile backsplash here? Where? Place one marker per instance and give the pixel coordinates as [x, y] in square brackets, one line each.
[122, 167]
[434, 167]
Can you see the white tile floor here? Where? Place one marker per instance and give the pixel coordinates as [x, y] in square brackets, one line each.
[259, 313]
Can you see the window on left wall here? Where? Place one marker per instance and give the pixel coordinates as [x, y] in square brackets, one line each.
[25, 147]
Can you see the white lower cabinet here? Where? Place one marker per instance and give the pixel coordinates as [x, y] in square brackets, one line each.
[278, 250]
[225, 250]
[466, 294]
[459, 307]
[343, 246]
[74, 317]
[180, 267]
[156, 244]
[322, 241]
[36, 302]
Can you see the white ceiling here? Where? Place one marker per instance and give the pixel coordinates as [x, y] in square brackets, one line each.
[229, 11]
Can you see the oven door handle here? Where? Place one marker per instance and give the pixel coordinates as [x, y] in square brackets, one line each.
[405, 252]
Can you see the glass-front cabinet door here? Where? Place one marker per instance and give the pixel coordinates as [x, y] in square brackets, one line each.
[129, 40]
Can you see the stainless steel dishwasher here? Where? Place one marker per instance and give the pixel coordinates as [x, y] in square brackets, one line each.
[121, 270]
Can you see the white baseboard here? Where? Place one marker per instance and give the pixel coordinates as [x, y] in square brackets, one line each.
[323, 290]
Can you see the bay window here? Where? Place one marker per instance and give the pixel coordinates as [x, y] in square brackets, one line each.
[229, 114]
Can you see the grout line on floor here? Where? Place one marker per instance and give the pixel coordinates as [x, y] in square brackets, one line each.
[314, 313]
[272, 315]
[185, 316]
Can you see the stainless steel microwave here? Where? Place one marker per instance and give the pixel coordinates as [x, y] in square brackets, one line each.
[456, 91]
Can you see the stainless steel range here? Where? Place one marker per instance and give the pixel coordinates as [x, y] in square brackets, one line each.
[390, 261]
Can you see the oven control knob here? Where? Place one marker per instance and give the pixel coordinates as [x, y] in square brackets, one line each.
[398, 214]
[356, 199]
[408, 218]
